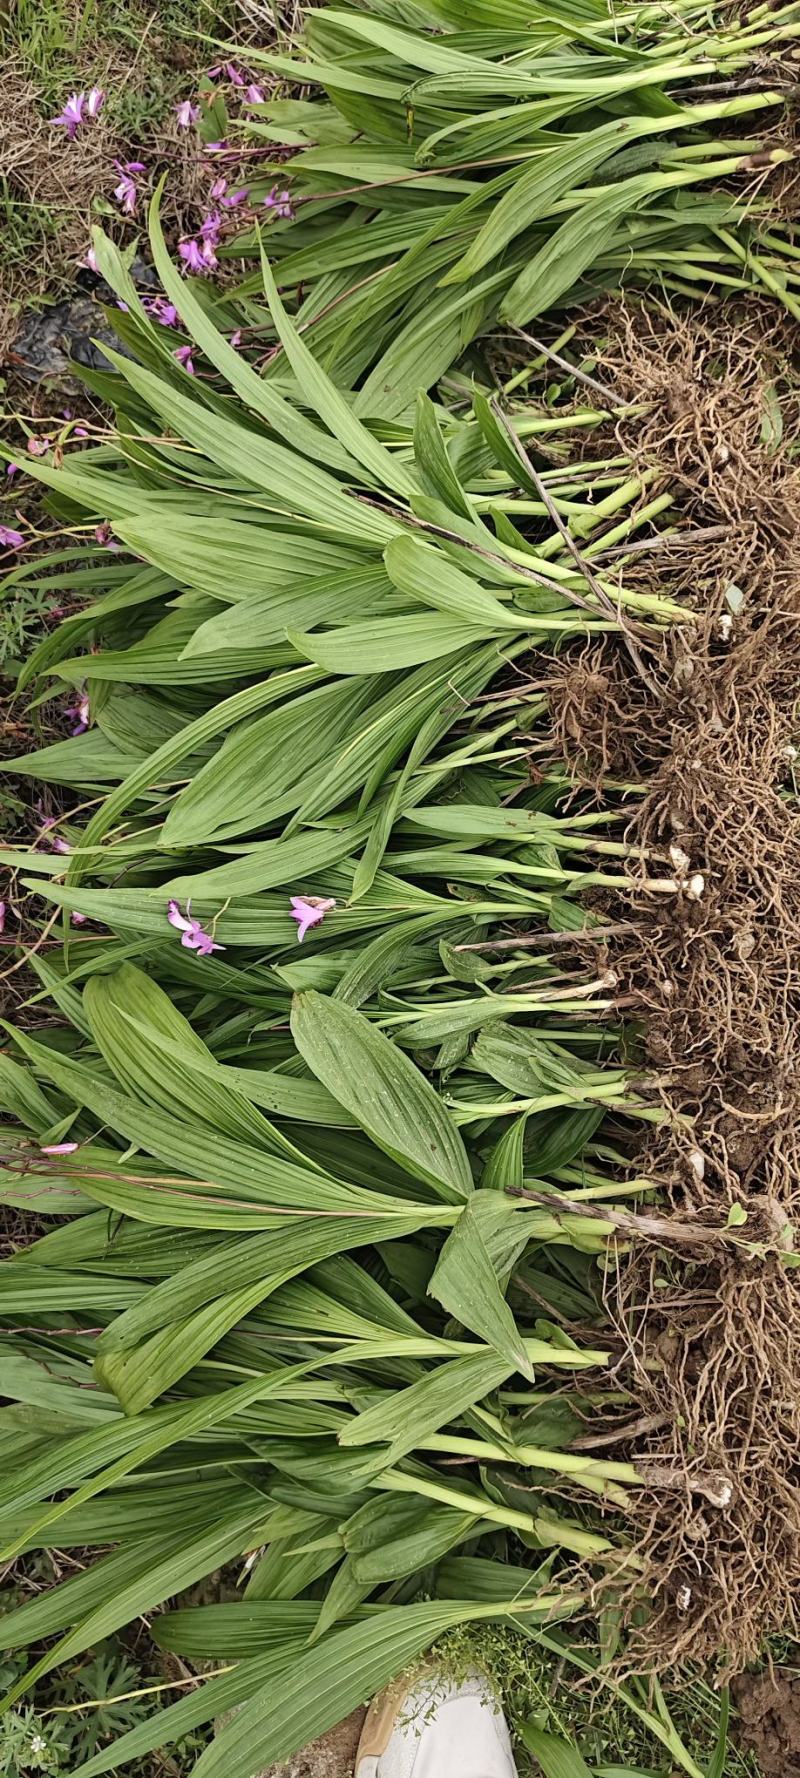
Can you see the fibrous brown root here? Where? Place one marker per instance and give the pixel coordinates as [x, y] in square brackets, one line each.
[722, 1560]
[713, 1340]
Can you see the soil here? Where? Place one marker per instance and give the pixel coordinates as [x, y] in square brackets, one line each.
[332, 1756]
[769, 1721]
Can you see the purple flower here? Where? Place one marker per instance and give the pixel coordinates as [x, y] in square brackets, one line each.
[308, 910]
[90, 260]
[72, 114]
[191, 254]
[94, 103]
[210, 226]
[127, 191]
[280, 202]
[184, 357]
[11, 539]
[186, 114]
[234, 198]
[161, 310]
[38, 446]
[2, 916]
[234, 75]
[80, 710]
[105, 537]
[236, 338]
[11, 471]
[216, 147]
[59, 845]
[254, 95]
[59, 1148]
[208, 255]
[80, 432]
[218, 188]
[78, 919]
[194, 937]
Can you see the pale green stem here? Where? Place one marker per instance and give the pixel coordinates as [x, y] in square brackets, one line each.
[634, 523]
[537, 363]
[535, 1457]
[549, 1530]
[760, 271]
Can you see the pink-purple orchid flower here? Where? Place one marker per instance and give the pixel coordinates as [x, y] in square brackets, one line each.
[308, 910]
[58, 1148]
[187, 114]
[127, 191]
[161, 310]
[280, 202]
[38, 447]
[104, 535]
[195, 938]
[80, 710]
[73, 113]
[184, 357]
[198, 256]
[11, 539]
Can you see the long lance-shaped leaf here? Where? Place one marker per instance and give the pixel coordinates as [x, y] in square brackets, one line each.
[390, 1098]
[329, 403]
[477, 1252]
[327, 1682]
[283, 416]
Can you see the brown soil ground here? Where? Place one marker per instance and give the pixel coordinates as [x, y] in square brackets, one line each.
[769, 1721]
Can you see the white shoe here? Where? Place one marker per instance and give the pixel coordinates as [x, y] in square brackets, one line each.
[439, 1729]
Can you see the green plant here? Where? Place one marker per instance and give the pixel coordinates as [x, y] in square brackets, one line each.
[27, 1744]
[327, 1298]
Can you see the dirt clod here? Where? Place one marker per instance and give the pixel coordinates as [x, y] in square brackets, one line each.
[333, 1755]
[769, 1721]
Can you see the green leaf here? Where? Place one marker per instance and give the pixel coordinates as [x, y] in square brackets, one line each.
[324, 1684]
[383, 1090]
[436, 1400]
[325, 398]
[555, 1755]
[465, 1280]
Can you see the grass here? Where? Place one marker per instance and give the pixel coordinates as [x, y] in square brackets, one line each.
[596, 1719]
[59, 44]
[146, 58]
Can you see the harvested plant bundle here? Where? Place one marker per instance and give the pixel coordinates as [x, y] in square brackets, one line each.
[330, 1295]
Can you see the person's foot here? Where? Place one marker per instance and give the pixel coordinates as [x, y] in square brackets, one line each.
[436, 1729]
